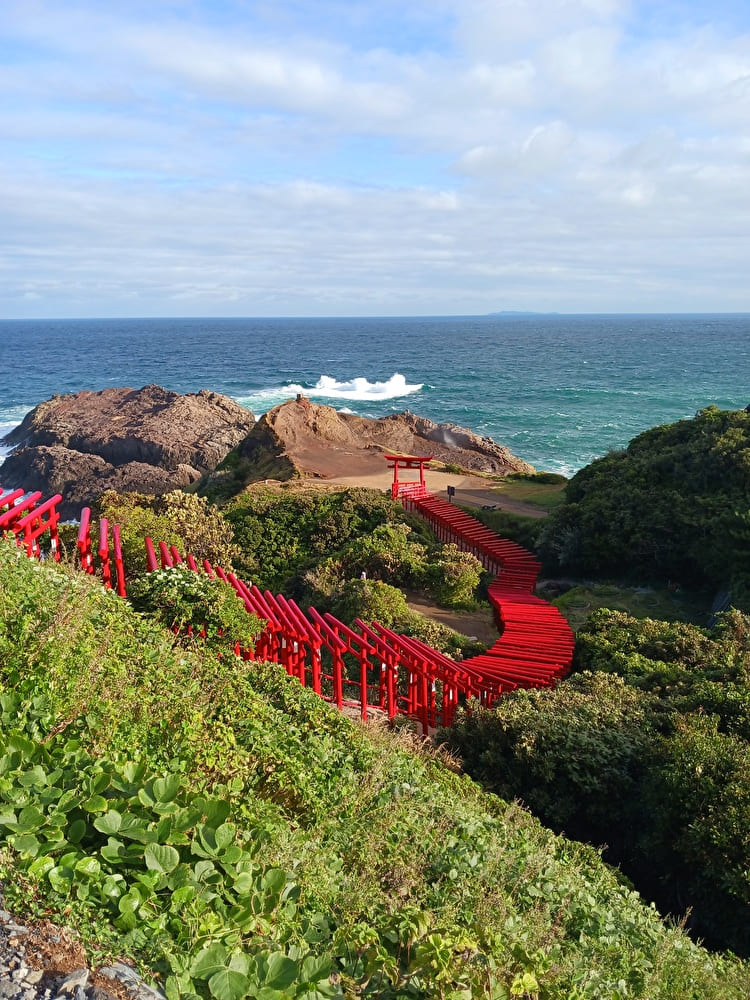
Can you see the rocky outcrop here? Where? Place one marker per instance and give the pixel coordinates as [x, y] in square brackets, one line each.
[302, 438]
[150, 440]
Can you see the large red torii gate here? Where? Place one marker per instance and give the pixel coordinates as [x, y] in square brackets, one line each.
[408, 487]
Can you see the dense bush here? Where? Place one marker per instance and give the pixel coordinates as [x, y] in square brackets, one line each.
[655, 762]
[183, 519]
[197, 608]
[280, 532]
[453, 577]
[672, 506]
[388, 553]
[574, 755]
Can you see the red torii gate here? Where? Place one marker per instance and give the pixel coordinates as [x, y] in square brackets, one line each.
[409, 487]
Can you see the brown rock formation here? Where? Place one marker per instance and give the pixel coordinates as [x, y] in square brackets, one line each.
[150, 440]
[301, 438]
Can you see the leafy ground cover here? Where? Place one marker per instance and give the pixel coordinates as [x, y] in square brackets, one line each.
[238, 837]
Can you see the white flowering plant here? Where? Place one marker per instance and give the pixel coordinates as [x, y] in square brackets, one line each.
[196, 607]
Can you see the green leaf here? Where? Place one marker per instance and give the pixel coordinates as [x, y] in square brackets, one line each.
[68, 801]
[244, 884]
[88, 866]
[96, 803]
[186, 818]
[20, 743]
[315, 968]
[134, 772]
[26, 844]
[40, 867]
[274, 880]
[61, 878]
[225, 835]
[114, 851]
[208, 961]
[166, 789]
[280, 972]
[109, 823]
[228, 985]
[35, 778]
[145, 797]
[215, 810]
[7, 817]
[182, 896]
[161, 857]
[30, 819]
[240, 962]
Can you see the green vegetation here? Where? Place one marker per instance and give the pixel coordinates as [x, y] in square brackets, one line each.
[673, 506]
[197, 608]
[516, 527]
[649, 754]
[282, 532]
[239, 837]
[349, 552]
[311, 544]
[543, 489]
[183, 519]
[663, 603]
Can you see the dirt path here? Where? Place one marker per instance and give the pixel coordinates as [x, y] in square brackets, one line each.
[474, 624]
[471, 491]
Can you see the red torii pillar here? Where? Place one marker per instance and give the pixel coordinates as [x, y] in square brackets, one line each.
[397, 462]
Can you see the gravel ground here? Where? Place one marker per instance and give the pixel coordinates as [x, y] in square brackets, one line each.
[42, 961]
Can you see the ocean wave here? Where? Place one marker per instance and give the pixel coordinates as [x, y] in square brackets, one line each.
[353, 390]
[6, 426]
[358, 388]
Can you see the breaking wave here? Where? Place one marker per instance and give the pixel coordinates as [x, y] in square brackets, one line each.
[361, 389]
[354, 390]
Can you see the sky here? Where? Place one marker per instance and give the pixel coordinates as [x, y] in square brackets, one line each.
[373, 157]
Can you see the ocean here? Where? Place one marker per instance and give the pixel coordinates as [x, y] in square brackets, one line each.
[558, 390]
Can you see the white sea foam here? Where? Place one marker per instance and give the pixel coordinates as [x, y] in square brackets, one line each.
[355, 390]
[361, 389]
[6, 426]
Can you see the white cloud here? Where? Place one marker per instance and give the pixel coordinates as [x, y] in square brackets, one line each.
[562, 149]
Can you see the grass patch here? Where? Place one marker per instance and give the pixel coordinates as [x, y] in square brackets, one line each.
[536, 490]
[640, 602]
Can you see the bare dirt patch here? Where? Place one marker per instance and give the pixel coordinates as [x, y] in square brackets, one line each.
[480, 624]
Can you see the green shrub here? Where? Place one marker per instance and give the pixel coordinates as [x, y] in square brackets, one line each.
[693, 847]
[282, 532]
[672, 506]
[386, 553]
[453, 577]
[185, 520]
[653, 763]
[573, 754]
[197, 608]
[370, 600]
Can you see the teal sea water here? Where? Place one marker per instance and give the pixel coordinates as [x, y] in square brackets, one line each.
[559, 391]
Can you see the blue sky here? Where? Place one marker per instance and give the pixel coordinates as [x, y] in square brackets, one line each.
[290, 158]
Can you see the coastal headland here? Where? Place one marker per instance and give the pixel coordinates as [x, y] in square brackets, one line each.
[152, 440]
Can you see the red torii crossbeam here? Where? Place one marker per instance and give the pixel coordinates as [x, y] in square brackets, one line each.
[408, 487]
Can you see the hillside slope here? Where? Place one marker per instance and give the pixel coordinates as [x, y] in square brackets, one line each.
[241, 838]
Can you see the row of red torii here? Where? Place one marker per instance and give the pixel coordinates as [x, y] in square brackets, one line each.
[364, 667]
